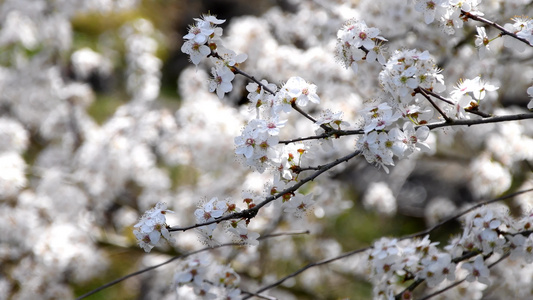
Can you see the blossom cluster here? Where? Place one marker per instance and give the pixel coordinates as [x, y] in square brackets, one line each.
[152, 228]
[214, 209]
[259, 141]
[488, 231]
[407, 70]
[357, 42]
[203, 40]
[207, 279]
[379, 148]
[448, 12]
[467, 95]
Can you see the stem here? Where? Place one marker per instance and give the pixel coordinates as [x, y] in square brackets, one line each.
[423, 92]
[252, 78]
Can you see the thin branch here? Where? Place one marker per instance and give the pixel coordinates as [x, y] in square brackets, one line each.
[307, 169]
[475, 111]
[303, 113]
[334, 132]
[184, 256]
[444, 289]
[443, 114]
[311, 265]
[429, 230]
[252, 78]
[494, 119]
[151, 268]
[470, 110]
[250, 294]
[435, 95]
[495, 25]
[289, 233]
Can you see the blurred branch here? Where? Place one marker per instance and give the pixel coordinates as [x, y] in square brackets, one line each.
[184, 256]
[311, 265]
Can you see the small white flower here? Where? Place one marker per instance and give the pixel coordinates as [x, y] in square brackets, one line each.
[195, 50]
[477, 271]
[221, 81]
[199, 33]
[300, 91]
[299, 205]
[429, 8]
[482, 41]
[530, 93]
[152, 226]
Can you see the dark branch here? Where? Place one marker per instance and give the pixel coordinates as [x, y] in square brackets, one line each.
[495, 25]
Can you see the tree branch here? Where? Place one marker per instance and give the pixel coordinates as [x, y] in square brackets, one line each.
[184, 256]
[252, 212]
[443, 114]
[495, 25]
[494, 119]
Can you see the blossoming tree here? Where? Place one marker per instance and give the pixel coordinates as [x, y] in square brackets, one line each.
[351, 97]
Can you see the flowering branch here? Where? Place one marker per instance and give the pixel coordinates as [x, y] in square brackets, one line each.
[453, 122]
[495, 25]
[252, 212]
[419, 281]
[407, 237]
[506, 255]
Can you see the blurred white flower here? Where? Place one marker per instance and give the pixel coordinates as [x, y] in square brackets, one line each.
[380, 198]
